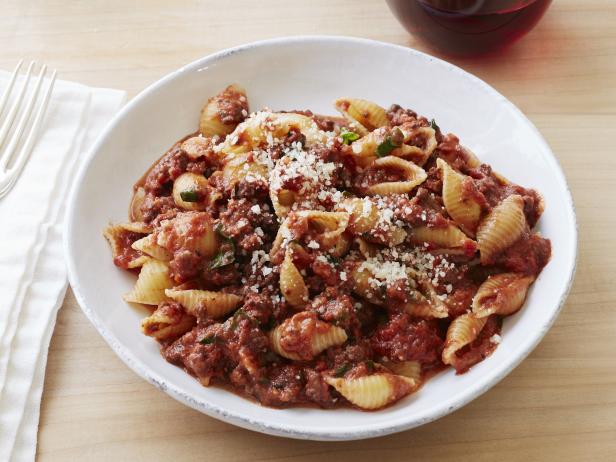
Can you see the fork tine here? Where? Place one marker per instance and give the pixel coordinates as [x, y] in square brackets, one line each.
[24, 154]
[9, 87]
[13, 111]
[6, 156]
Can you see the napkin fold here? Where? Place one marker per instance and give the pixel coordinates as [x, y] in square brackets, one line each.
[33, 277]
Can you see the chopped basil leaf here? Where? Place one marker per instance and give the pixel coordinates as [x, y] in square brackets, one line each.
[226, 255]
[239, 314]
[349, 137]
[433, 125]
[235, 318]
[346, 367]
[370, 365]
[220, 231]
[333, 260]
[391, 142]
[223, 258]
[190, 196]
[385, 148]
[208, 340]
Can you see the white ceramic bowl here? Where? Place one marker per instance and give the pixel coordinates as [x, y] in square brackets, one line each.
[299, 73]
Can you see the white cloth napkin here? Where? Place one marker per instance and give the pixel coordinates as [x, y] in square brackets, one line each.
[32, 270]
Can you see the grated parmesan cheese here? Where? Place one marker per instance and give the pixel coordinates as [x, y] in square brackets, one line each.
[256, 209]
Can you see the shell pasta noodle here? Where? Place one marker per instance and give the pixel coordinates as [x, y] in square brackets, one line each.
[338, 261]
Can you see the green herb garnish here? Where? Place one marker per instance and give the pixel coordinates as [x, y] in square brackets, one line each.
[385, 148]
[349, 137]
[333, 260]
[226, 254]
[241, 314]
[221, 232]
[190, 196]
[370, 365]
[346, 367]
[433, 125]
[223, 258]
[208, 340]
[391, 142]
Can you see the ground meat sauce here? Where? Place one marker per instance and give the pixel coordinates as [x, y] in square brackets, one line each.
[397, 115]
[480, 348]
[249, 246]
[403, 338]
[372, 176]
[127, 253]
[232, 106]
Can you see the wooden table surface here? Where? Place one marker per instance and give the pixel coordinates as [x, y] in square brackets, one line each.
[560, 404]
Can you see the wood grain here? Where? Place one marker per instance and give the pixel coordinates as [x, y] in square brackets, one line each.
[560, 404]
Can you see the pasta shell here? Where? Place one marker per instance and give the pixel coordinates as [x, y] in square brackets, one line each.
[328, 225]
[367, 249]
[190, 230]
[117, 236]
[283, 236]
[324, 336]
[210, 123]
[365, 217]
[502, 294]
[462, 209]
[365, 148]
[397, 236]
[151, 284]
[165, 323]
[332, 336]
[361, 286]
[341, 247]
[204, 302]
[426, 308]
[284, 122]
[363, 214]
[113, 234]
[409, 369]
[426, 303]
[149, 246]
[134, 211]
[462, 331]
[373, 391]
[197, 146]
[138, 227]
[264, 128]
[274, 337]
[292, 285]
[195, 185]
[471, 160]
[238, 168]
[366, 113]
[450, 238]
[412, 176]
[282, 200]
[503, 226]
[425, 136]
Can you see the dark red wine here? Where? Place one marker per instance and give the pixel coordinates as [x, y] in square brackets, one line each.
[467, 27]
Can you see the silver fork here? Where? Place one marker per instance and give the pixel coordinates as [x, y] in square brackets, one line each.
[15, 146]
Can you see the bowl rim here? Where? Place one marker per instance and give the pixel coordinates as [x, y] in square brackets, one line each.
[324, 433]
